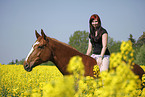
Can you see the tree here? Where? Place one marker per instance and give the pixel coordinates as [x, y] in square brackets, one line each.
[79, 40]
[138, 44]
[16, 61]
[12, 62]
[140, 56]
[21, 61]
[141, 40]
[132, 40]
[114, 46]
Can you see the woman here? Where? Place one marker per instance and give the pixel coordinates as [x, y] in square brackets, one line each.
[98, 38]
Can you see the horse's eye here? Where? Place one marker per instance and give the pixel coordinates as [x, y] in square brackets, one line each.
[40, 47]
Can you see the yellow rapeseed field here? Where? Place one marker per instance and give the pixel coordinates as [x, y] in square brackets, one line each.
[47, 81]
[15, 81]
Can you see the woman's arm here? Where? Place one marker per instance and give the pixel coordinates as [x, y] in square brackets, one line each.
[89, 48]
[104, 43]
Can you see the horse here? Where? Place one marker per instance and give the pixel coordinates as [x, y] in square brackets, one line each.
[49, 49]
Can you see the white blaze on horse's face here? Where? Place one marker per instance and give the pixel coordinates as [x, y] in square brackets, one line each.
[37, 42]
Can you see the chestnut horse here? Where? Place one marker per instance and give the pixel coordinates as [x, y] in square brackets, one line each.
[49, 49]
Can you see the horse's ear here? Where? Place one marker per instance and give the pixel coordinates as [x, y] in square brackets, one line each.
[37, 34]
[43, 35]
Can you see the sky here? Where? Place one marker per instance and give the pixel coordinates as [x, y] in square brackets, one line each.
[59, 19]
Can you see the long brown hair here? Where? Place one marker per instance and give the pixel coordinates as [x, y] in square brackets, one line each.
[92, 29]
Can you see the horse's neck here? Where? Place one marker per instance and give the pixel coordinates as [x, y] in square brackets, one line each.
[62, 54]
[63, 49]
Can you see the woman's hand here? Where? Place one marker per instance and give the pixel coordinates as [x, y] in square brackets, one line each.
[99, 61]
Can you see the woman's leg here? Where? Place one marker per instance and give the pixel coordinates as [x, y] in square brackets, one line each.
[105, 64]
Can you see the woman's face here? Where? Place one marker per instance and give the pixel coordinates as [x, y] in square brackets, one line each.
[95, 23]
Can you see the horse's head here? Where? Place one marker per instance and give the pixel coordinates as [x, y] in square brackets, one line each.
[39, 53]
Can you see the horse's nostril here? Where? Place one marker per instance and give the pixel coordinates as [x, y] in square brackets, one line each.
[26, 65]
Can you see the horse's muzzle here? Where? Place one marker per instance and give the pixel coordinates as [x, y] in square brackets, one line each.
[27, 67]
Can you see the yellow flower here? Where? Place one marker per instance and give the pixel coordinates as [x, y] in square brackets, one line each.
[126, 52]
[115, 59]
[96, 71]
[76, 65]
[35, 95]
[131, 54]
